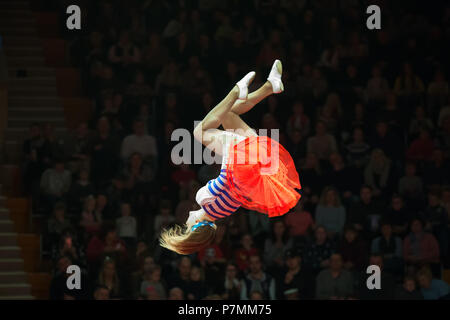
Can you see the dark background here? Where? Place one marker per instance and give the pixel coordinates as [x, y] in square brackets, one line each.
[168, 63]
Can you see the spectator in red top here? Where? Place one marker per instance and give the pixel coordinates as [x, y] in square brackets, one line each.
[419, 247]
[299, 222]
[183, 175]
[421, 149]
[242, 255]
[107, 244]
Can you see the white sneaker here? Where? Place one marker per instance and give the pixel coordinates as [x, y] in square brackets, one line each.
[275, 77]
[243, 85]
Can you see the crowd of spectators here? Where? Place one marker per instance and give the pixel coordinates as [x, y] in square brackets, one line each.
[365, 115]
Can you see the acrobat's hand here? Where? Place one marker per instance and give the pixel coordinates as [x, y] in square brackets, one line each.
[275, 77]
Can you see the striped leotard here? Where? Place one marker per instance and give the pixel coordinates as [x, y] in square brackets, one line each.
[214, 198]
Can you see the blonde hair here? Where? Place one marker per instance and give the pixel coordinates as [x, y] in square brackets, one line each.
[184, 241]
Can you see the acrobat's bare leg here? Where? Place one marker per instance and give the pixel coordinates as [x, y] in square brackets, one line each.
[271, 86]
[206, 131]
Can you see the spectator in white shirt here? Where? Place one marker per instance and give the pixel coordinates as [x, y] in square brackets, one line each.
[139, 142]
[126, 226]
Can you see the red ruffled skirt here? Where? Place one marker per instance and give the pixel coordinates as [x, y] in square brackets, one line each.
[262, 176]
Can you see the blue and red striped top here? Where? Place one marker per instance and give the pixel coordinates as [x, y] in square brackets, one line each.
[223, 203]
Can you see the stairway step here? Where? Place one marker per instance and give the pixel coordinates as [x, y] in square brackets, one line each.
[33, 102]
[14, 137]
[32, 61]
[12, 12]
[4, 213]
[32, 81]
[13, 264]
[10, 252]
[26, 121]
[35, 112]
[35, 91]
[21, 41]
[21, 51]
[14, 5]
[6, 226]
[15, 289]
[17, 21]
[27, 297]
[13, 277]
[18, 30]
[8, 239]
[30, 72]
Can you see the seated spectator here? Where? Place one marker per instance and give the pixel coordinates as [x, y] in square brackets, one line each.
[80, 190]
[437, 171]
[77, 148]
[107, 243]
[58, 223]
[431, 288]
[164, 218]
[299, 223]
[58, 284]
[146, 263]
[91, 221]
[124, 53]
[377, 173]
[55, 182]
[141, 143]
[231, 285]
[197, 288]
[377, 87]
[335, 282]
[408, 290]
[421, 149]
[353, 250]
[296, 276]
[357, 150]
[322, 143]
[436, 222]
[101, 293]
[181, 277]
[109, 278]
[152, 282]
[408, 86]
[139, 88]
[183, 175]
[276, 246]
[387, 141]
[386, 291]
[317, 252]
[410, 186]
[257, 280]
[176, 294]
[330, 213]
[242, 255]
[344, 178]
[364, 215]
[215, 252]
[68, 246]
[398, 215]
[298, 121]
[389, 246]
[126, 226]
[104, 150]
[419, 247]
[312, 177]
[437, 91]
[419, 122]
